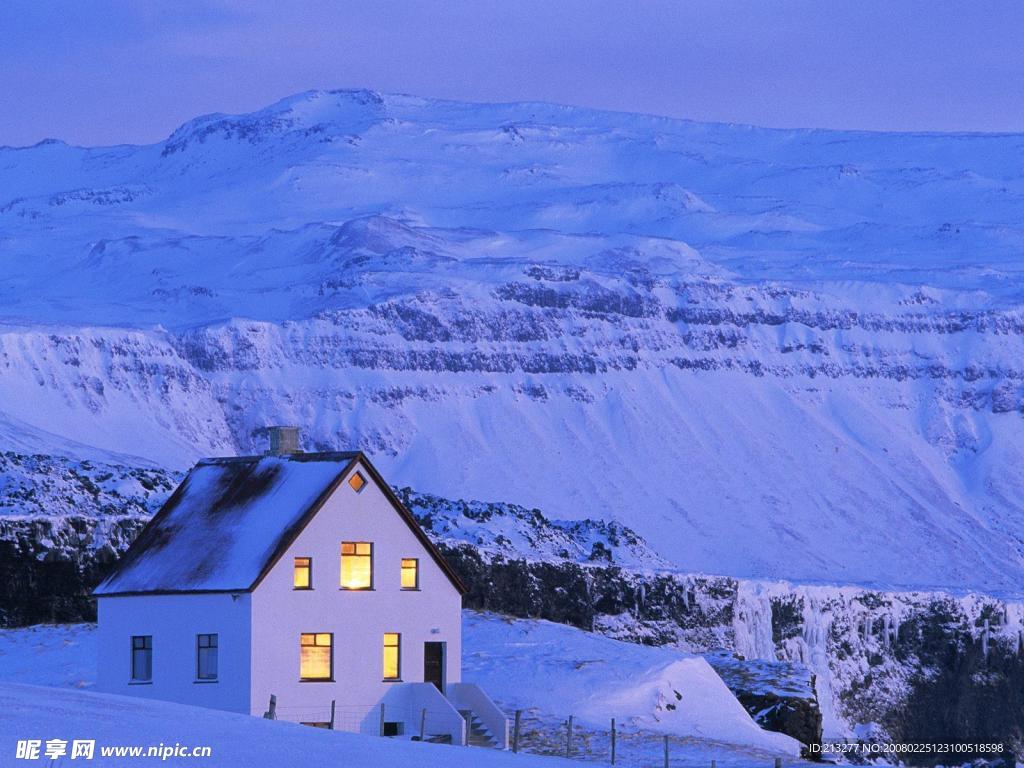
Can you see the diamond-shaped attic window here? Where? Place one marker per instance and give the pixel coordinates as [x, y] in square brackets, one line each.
[357, 481]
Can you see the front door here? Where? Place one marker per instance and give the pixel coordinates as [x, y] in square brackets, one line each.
[433, 664]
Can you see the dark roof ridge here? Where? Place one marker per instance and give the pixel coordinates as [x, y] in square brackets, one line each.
[301, 456]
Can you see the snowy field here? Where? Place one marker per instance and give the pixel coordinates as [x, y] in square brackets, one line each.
[547, 670]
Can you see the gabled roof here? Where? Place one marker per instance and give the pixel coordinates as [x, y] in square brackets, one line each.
[231, 519]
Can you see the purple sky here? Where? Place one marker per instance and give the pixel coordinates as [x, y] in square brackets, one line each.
[110, 71]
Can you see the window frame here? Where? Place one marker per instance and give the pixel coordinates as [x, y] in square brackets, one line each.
[309, 573]
[147, 645]
[362, 481]
[355, 553]
[416, 574]
[315, 635]
[398, 657]
[215, 647]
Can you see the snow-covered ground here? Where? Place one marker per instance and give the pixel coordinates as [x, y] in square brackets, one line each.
[29, 712]
[548, 670]
[563, 671]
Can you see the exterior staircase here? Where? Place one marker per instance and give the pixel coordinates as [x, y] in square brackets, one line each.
[477, 734]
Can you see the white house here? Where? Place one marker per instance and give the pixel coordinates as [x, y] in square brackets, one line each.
[299, 576]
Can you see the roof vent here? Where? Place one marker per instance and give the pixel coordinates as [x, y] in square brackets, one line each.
[283, 440]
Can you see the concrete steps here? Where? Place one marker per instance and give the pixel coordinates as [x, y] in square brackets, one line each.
[477, 734]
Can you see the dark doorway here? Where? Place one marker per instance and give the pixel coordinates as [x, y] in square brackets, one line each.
[433, 664]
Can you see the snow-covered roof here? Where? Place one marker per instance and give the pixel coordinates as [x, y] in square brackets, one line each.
[227, 522]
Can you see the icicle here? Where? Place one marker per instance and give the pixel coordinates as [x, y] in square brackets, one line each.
[886, 624]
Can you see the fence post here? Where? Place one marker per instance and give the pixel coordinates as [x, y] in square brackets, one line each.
[423, 724]
[666, 752]
[333, 703]
[382, 718]
[613, 741]
[271, 713]
[515, 731]
[568, 738]
[714, 764]
[778, 762]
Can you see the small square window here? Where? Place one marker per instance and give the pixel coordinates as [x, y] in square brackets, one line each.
[357, 481]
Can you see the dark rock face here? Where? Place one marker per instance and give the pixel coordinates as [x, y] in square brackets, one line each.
[779, 696]
[49, 566]
[795, 716]
[966, 686]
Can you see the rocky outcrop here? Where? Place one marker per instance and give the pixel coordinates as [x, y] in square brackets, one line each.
[49, 565]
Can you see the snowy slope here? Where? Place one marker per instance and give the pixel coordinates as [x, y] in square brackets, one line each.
[566, 671]
[35, 712]
[739, 342]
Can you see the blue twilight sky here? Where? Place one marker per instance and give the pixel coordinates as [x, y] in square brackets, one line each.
[109, 71]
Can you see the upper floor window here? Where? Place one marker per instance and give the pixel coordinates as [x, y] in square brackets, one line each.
[206, 657]
[357, 482]
[410, 573]
[142, 658]
[356, 565]
[316, 656]
[303, 576]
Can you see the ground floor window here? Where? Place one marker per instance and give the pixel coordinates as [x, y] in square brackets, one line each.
[316, 656]
[392, 656]
[206, 657]
[142, 658]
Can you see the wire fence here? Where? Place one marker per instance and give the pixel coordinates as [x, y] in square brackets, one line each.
[621, 743]
[624, 743]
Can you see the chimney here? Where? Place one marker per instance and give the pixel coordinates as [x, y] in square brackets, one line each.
[283, 440]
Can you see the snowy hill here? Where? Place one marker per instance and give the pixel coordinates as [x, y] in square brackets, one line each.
[766, 351]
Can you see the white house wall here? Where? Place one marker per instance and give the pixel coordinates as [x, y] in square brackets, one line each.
[357, 619]
[174, 621]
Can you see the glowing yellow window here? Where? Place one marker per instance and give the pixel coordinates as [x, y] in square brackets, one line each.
[392, 656]
[357, 481]
[316, 656]
[356, 565]
[303, 573]
[410, 573]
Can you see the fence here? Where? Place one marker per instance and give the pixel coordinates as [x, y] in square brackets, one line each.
[619, 744]
[625, 744]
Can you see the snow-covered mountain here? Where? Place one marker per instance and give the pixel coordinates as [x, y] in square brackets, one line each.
[772, 353]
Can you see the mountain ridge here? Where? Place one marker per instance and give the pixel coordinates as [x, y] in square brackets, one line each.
[764, 350]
